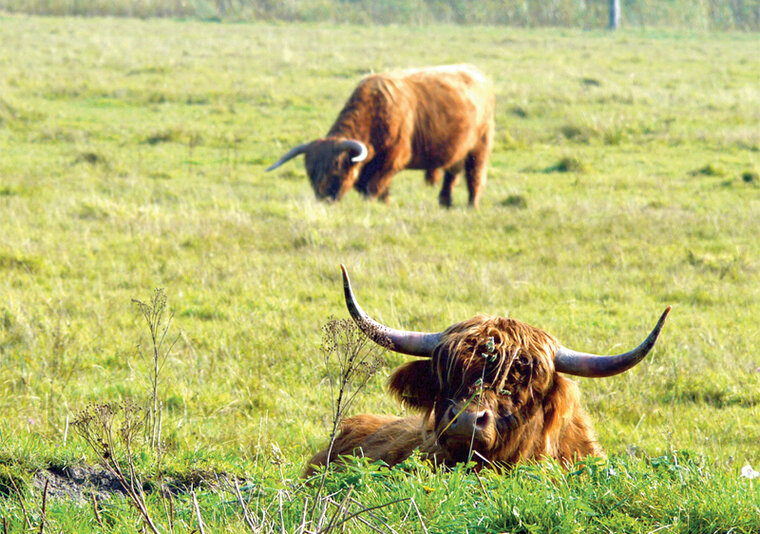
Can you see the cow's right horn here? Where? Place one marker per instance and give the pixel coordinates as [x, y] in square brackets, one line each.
[405, 342]
[355, 146]
[595, 366]
[292, 153]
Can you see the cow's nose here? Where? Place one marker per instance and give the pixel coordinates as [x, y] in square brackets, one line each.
[469, 421]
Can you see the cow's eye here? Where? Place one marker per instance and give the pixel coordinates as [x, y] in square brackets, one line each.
[523, 366]
[508, 422]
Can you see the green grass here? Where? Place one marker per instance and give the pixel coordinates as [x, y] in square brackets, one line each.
[133, 156]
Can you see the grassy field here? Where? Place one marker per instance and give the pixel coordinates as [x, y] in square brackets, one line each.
[624, 179]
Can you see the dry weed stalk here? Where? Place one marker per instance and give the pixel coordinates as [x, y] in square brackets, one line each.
[169, 509]
[95, 510]
[158, 326]
[43, 519]
[110, 431]
[362, 511]
[351, 360]
[250, 521]
[21, 502]
[201, 524]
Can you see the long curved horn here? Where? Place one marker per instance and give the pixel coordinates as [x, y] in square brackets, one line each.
[405, 342]
[583, 364]
[355, 146]
[292, 153]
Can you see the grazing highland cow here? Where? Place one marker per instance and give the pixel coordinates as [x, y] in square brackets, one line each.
[437, 119]
[489, 389]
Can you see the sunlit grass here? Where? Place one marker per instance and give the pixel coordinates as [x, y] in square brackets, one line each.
[133, 156]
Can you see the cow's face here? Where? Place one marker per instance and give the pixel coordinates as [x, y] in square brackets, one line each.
[488, 388]
[330, 169]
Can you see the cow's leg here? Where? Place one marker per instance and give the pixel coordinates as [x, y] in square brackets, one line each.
[476, 167]
[375, 178]
[449, 181]
[385, 196]
[353, 432]
[433, 176]
[379, 187]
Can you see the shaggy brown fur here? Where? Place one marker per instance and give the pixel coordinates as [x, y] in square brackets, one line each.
[436, 119]
[523, 409]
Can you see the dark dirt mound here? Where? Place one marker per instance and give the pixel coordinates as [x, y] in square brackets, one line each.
[78, 482]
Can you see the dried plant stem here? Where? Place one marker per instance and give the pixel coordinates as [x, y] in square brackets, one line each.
[246, 515]
[351, 359]
[419, 516]
[302, 526]
[171, 512]
[96, 426]
[366, 510]
[372, 527]
[21, 502]
[201, 527]
[339, 509]
[44, 506]
[483, 487]
[462, 409]
[375, 517]
[153, 313]
[95, 510]
[282, 518]
[323, 513]
[477, 408]
[66, 430]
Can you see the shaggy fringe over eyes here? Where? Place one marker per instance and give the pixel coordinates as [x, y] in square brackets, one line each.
[467, 343]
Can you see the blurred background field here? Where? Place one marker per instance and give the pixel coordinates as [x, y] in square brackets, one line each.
[713, 15]
[624, 179]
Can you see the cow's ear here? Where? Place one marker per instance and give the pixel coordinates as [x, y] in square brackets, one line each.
[415, 384]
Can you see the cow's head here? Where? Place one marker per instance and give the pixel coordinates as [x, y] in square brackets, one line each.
[491, 384]
[331, 163]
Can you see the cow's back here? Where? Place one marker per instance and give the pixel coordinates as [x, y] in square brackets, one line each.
[454, 113]
[428, 118]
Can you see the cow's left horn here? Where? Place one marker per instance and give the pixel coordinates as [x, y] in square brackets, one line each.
[292, 153]
[355, 146]
[591, 365]
[405, 342]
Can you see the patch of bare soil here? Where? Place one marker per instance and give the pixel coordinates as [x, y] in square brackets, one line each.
[79, 482]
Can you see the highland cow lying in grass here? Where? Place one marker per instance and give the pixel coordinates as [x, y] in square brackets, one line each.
[489, 389]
